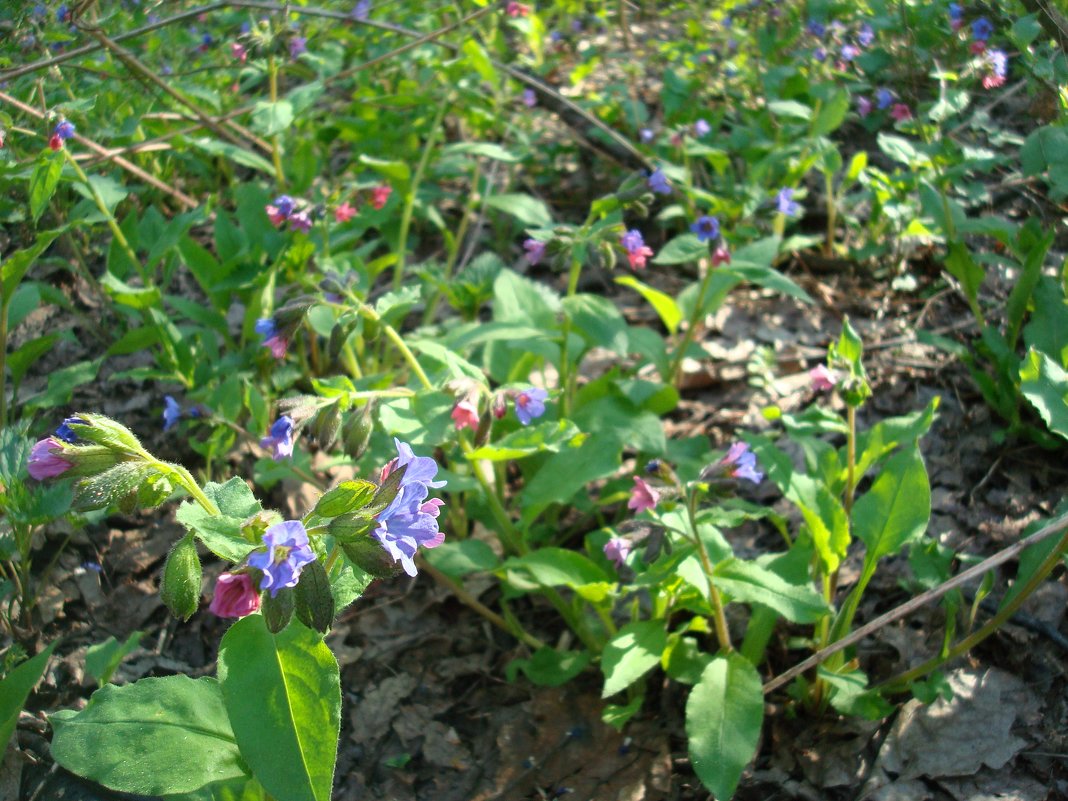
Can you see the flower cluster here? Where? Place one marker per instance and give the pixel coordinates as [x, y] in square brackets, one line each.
[996, 66]
[637, 251]
[410, 521]
[285, 209]
[64, 130]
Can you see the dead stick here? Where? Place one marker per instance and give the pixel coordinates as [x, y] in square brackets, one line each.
[907, 608]
[131, 168]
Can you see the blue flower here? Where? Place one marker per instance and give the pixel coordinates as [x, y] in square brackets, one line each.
[64, 130]
[700, 128]
[530, 403]
[784, 202]
[883, 98]
[632, 240]
[266, 327]
[646, 134]
[171, 412]
[66, 433]
[658, 182]
[981, 29]
[285, 205]
[288, 551]
[706, 228]
[816, 28]
[410, 521]
[280, 438]
[740, 462]
[865, 36]
[956, 12]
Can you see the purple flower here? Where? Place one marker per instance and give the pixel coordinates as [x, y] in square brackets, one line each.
[646, 135]
[706, 228]
[784, 203]
[66, 433]
[617, 549]
[530, 403]
[700, 128]
[883, 98]
[288, 551]
[820, 54]
[535, 250]
[529, 98]
[740, 462]
[64, 130]
[297, 45]
[267, 328]
[45, 460]
[658, 182]
[62, 13]
[865, 35]
[956, 16]
[285, 205]
[171, 412]
[300, 221]
[822, 378]
[410, 521]
[815, 28]
[280, 438]
[643, 496]
[632, 240]
[849, 52]
[362, 10]
[863, 106]
[981, 29]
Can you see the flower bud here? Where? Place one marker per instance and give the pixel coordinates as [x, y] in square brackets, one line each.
[369, 555]
[356, 433]
[278, 609]
[313, 599]
[180, 587]
[350, 527]
[325, 425]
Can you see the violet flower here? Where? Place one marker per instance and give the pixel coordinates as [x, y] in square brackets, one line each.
[279, 439]
[659, 183]
[172, 412]
[785, 204]
[617, 549]
[706, 228]
[235, 596]
[288, 551]
[535, 250]
[529, 404]
[45, 460]
[740, 462]
[643, 496]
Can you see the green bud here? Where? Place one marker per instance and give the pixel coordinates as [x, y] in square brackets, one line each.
[356, 433]
[368, 555]
[313, 599]
[278, 611]
[348, 528]
[371, 329]
[292, 314]
[180, 586]
[346, 497]
[325, 425]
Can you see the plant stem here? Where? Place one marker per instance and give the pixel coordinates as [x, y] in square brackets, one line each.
[719, 619]
[4, 301]
[567, 378]
[832, 215]
[413, 188]
[113, 224]
[675, 371]
[398, 341]
[276, 142]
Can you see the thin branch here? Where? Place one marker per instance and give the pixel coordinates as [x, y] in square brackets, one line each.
[907, 608]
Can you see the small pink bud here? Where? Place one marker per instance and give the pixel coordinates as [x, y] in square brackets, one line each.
[643, 496]
[465, 415]
[235, 596]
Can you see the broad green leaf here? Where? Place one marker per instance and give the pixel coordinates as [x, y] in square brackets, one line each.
[15, 689]
[614, 418]
[832, 113]
[682, 249]
[136, 297]
[965, 269]
[110, 191]
[749, 582]
[528, 210]
[1045, 385]
[102, 659]
[631, 653]
[43, 182]
[394, 170]
[723, 718]
[62, 383]
[459, 558]
[283, 696]
[517, 299]
[553, 567]
[548, 667]
[16, 265]
[598, 321]
[238, 155]
[269, 119]
[790, 109]
[548, 436]
[663, 304]
[348, 496]
[487, 149]
[852, 697]
[901, 150]
[895, 511]
[157, 736]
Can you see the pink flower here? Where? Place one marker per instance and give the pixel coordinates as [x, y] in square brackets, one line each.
[901, 112]
[45, 460]
[278, 346]
[465, 415]
[721, 255]
[617, 549]
[300, 221]
[978, 47]
[535, 250]
[515, 9]
[823, 379]
[993, 81]
[275, 215]
[638, 256]
[239, 51]
[643, 496]
[344, 212]
[380, 194]
[432, 507]
[55, 142]
[235, 596]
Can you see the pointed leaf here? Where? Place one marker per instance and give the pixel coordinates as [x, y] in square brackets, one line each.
[632, 653]
[896, 509]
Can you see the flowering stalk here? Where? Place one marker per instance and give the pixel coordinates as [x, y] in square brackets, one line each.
[832, 214]
[567, 377]
[719, 619]
[409, 198]
[276, 141]
[675, 371]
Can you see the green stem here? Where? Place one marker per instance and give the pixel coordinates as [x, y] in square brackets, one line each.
[4, 301]
[719, 619]
[187, 481]
[113, 224]
[567, 377]
[675, 371]
[409, 200]
[832, 215]
[399, 343]
[276, 144]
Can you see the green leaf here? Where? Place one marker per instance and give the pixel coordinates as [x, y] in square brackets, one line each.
[852, 697]
[832, 114]
[681, 250]
[965, 269]
[43, 182]
[110, 191]
[553, 567]
[17, 264]
[16, 688]
[1045, 385]
[101, 660]
[222, 533]
[283, 695]
[133, 296]
[749, 582]
[461, 558]
[825, 517]
[487, 149]
[548, 436]
[723, 718]
[157, 736]
[895, 511]
[348, 496]
[548, 667]
[394, 170]
[631, 653]
[238, 155]
[528, 210]
[568, 472]
[269, 119]
[665, 305]
[598, 321]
